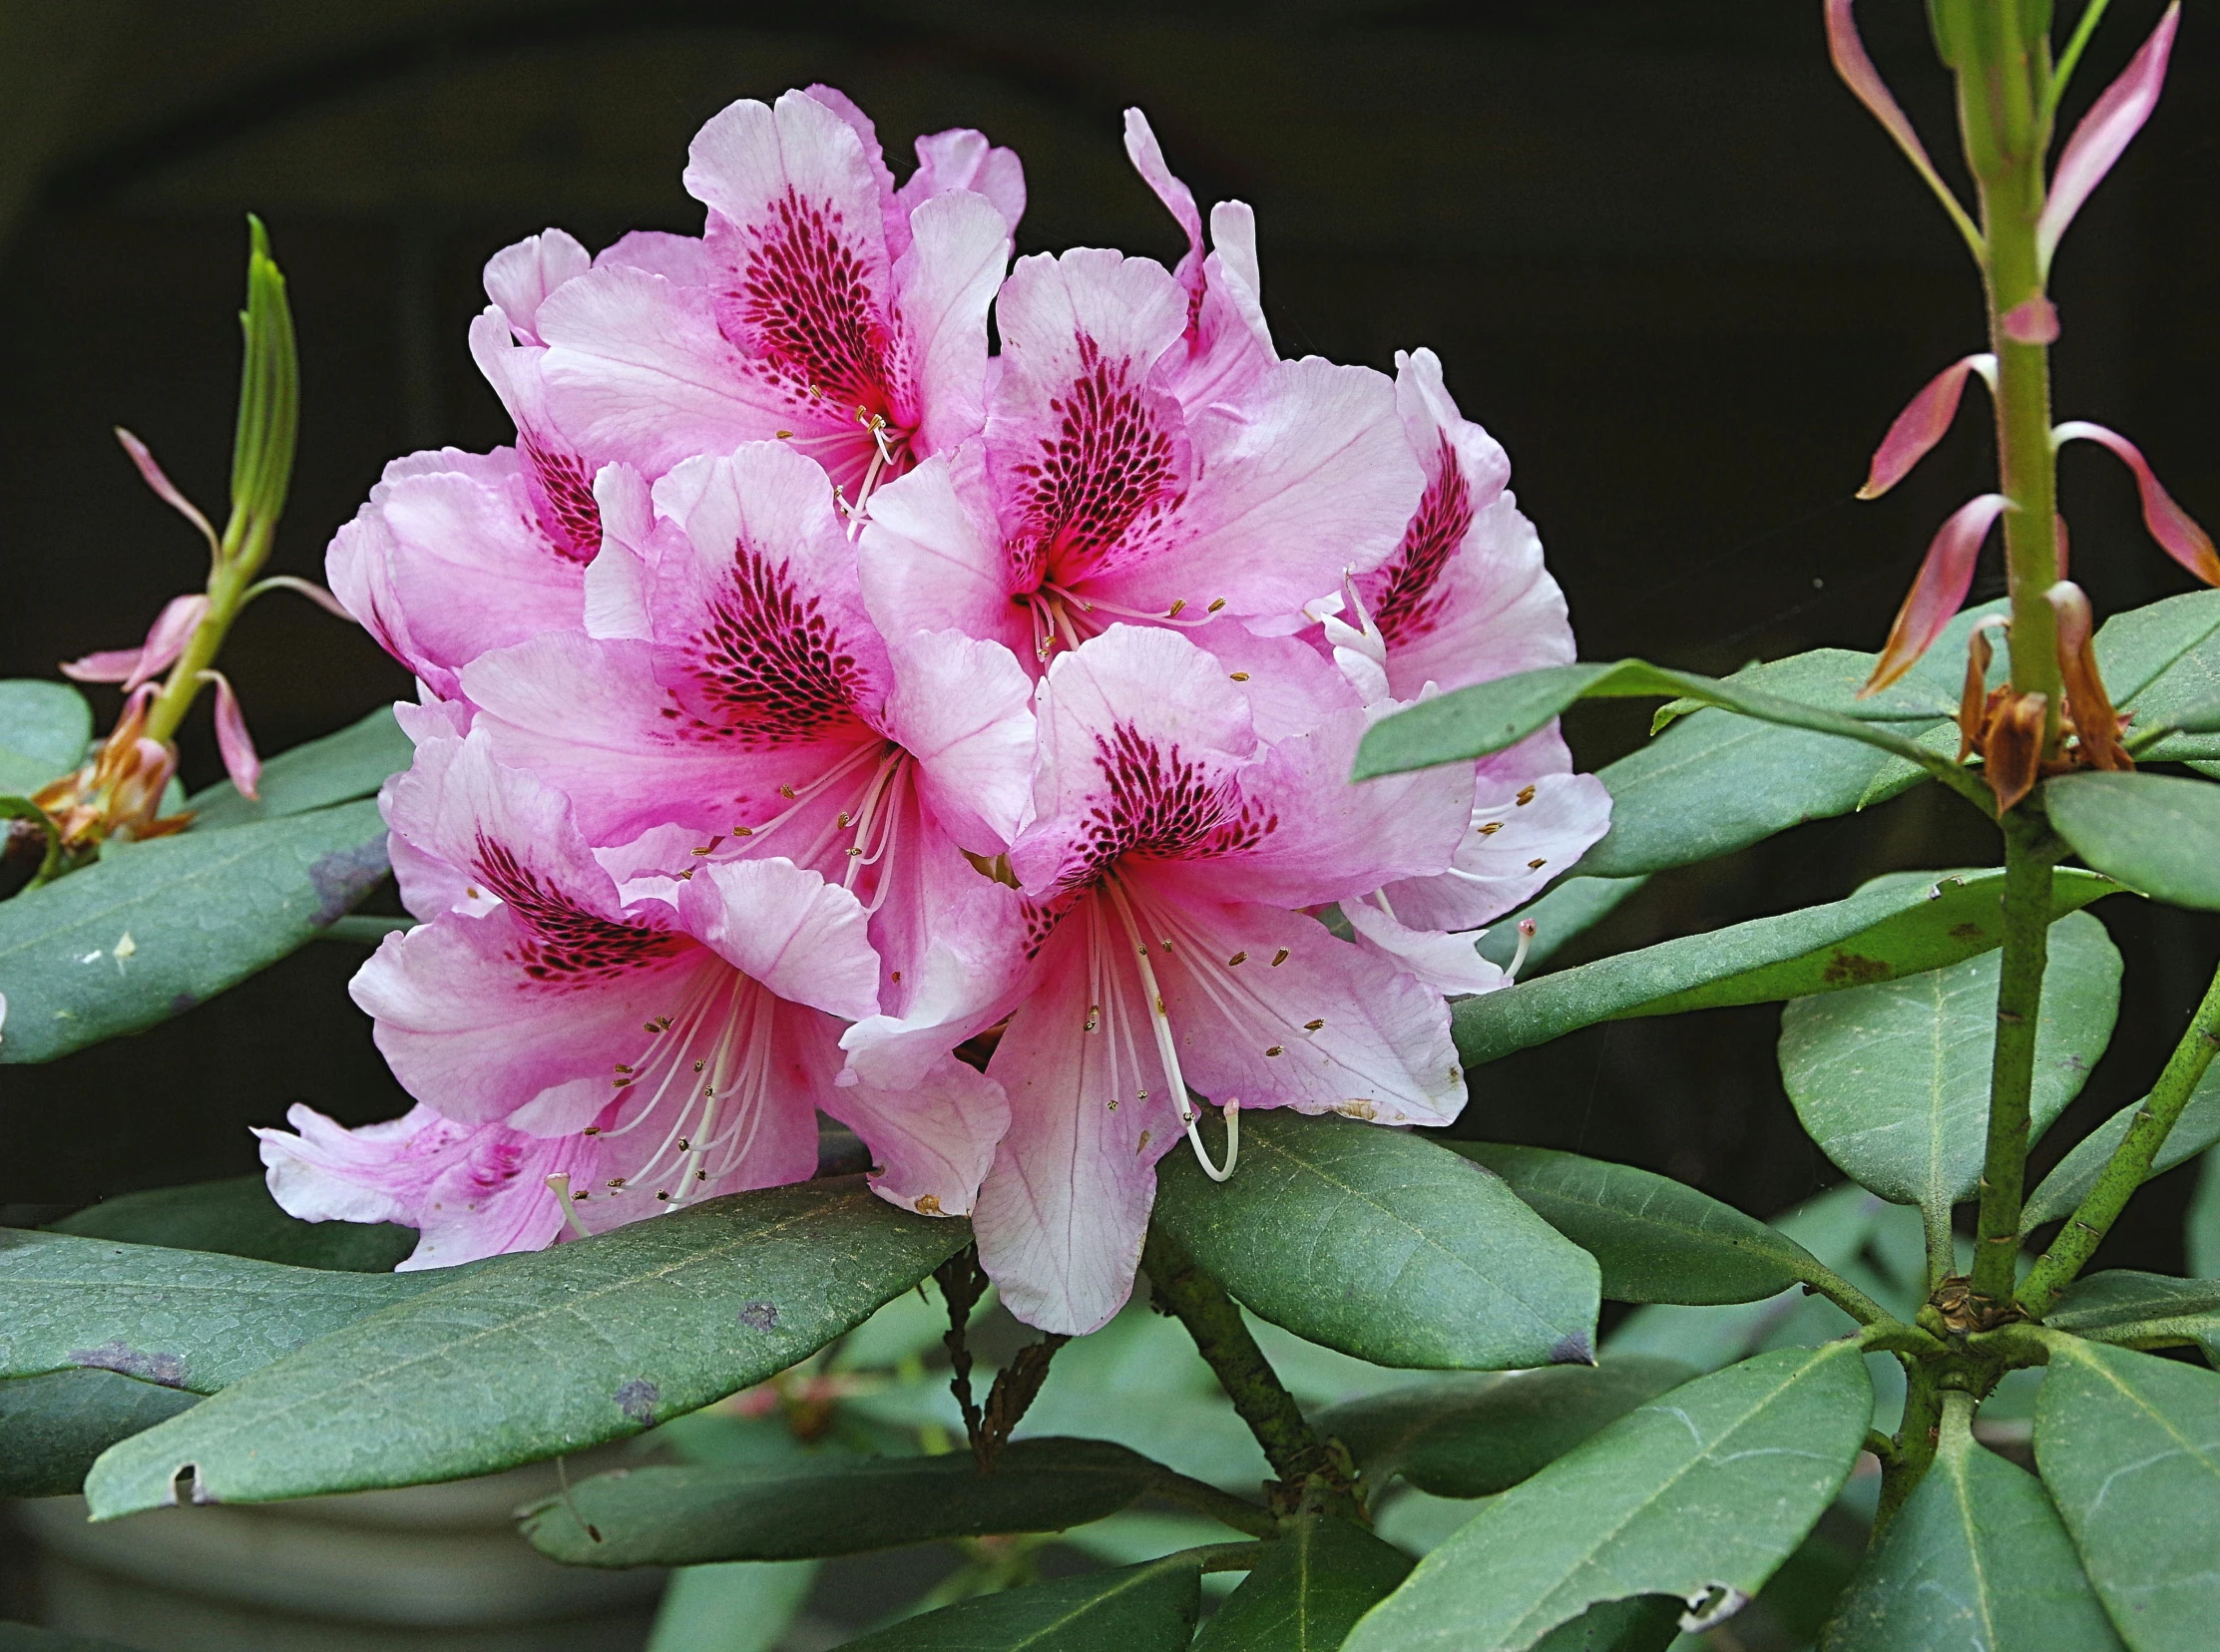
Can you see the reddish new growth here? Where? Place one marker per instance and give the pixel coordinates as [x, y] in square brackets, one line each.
[1407, 602]
[568, 947]
[1161, 806]
[569, 515]
[1108, 464]
[773, 662]
[806, 304]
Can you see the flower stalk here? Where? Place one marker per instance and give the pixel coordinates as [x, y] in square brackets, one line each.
[262, 472]
[2130, 1162]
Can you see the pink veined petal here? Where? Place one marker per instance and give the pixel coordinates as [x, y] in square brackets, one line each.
[933, 1142]
[2105, 132]
[1922, 423]
[1446, 960]
[1147, 157]
[1863, 79]
[1526, 829]
[1939, 590]
[166, 639]
[961, 159]
[944, 283]
[519, 277]
[2032, 321]
[2172, 527]
[931, 554]
[165, 489]
[240, 762]
[964, 709]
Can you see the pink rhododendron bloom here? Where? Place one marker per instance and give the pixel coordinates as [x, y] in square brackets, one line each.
[765, 715]
[1229, 343]
[1465, 598]
[1170, 849]
[680, 1034]
[1097, 494]
[826, 307]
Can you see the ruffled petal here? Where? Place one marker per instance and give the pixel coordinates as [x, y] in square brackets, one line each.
[519, 277]
[803, 938]
[964, 709]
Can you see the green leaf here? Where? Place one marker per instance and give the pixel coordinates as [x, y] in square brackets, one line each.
[2141, 1310]
[1887, 929]
[45, 728]
[1656, 1239]
[2160, 662]
[1384, 1246]
[535, 1355]
[2202, 1230]
[2070, 1179]
[335, 769]
[2155, 832]
[1488, 717]
[1471, 1437]
[737, 1608]
[1574, 906]
[2129, 1446]
[181, 1319]
[22, 1637]
[1707, 1488]
[828, 1506]
[238, 1217]
[1148, 1608]
[52, 1427]
[1308, 1591]
[1975, 1558]
[192, 915]
[1892, 1080]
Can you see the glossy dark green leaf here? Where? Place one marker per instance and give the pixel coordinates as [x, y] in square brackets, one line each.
[1641, 1623]
[1563, 915]
[1656, 1239]
[1975, 1561]
[1488, 717]
[335, 769]
[828, 1504]
[1892, 1080]
[1471, 1437]
[1888, 929]
[1383, 1245]
[2141, 1310]
[52, 1427]
[157, 928]
[1704, 1489]
[1718, 782]
[2129, 1446]
[181, 1319]
[45, 728]
[1308, 1591]
[238, 1217]
[2070, 1179]
[535, 1355]
[2155, 832]
[1146, 1608]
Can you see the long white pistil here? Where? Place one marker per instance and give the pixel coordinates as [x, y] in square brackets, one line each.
[1169, 1054]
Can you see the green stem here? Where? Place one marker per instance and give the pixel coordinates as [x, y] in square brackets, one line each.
[1845, 1296]
[2028, 863]
[1916, 1441]
[2130, 1162]
[226, 589]
[1291, 1446]
[1942, 1245]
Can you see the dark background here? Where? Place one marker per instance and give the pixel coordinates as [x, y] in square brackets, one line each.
[1663, 255]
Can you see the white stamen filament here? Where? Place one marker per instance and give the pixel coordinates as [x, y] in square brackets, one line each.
[1169, 1053]
[1526, 939]
[1153, 616]
[560, 1186]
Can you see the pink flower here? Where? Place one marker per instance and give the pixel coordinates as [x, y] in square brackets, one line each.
[1096, 493]
[763, 714]
[1229, 343]
[678, 1038]
[1170, 849]
[1465, 598]
[828, 308]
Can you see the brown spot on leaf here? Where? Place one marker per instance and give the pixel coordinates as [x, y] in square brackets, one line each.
[165, 1370]
[1849, 969]
[759, 1316]
[636, 1400]
[1968, 930]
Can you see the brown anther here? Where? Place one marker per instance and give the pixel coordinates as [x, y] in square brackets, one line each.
[1312, 1026]
[1537, 865]
[1492, 828]
[1240, 676]
[1274, 1051]
[1525, 796]
[1281, 957]
[1238, 957]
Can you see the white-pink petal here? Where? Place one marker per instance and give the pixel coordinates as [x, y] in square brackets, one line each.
[1916, 430]
[1938, 589]
[2173, 528]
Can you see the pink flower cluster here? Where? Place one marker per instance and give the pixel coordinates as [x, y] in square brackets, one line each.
[813, 703]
